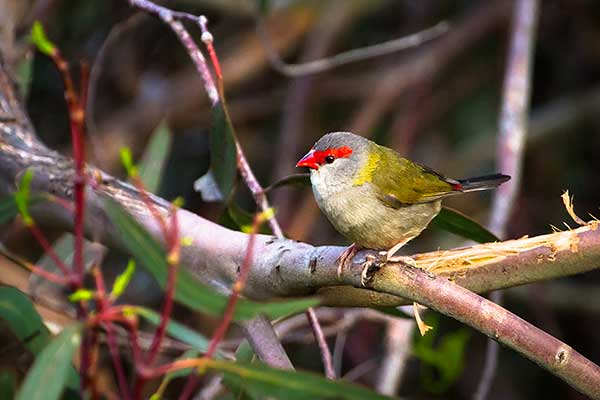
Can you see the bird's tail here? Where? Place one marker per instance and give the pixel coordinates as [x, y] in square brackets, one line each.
[481, 183]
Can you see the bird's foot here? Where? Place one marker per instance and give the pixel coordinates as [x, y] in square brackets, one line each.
[346, 258]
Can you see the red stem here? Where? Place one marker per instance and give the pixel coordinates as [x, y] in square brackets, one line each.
[151, 207]
[173, 261]
[61, 280]
[236, 290]
[41, 238]
[116, 360]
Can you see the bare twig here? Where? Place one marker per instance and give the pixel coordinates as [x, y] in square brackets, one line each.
[323, 347]
[351, 56]
[514, 113]
[398, 338]
[511, 142]
[485, 316]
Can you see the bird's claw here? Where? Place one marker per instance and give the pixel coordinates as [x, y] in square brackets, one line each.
[346, 258]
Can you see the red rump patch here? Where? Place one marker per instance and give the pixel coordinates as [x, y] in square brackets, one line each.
[339, 152]
[457, 186]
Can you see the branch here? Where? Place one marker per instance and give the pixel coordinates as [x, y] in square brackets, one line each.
[485, 316]
[284, 267]
[511, 146]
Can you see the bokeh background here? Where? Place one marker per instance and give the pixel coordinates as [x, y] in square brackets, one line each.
[437, 104]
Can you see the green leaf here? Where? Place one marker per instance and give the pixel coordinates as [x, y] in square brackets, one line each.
[127, 161]
[23, 319]
[264, 6]
[48, 376]
[455, 222]
[223, 160]
[22, 196]
[81, 295]
[123, 280]
[8, 384]
[443, 364]
[175, 329]
[155, 156]
[25, 322]
[24, 74]
[189, 291]
[290, 180]
[39, 39]
[174, 374]
[262, 381]
[243, 220]
[8, 208]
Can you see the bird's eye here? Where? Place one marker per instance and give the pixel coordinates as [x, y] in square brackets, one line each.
[329, 159]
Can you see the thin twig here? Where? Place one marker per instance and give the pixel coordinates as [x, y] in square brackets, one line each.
[397, 343]
[511, 143]
[174, 243]
[351, 56]
[323, 347]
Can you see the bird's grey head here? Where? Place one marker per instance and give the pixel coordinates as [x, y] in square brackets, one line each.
[335, 159]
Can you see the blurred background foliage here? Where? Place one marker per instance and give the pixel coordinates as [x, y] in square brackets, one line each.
[438, 104]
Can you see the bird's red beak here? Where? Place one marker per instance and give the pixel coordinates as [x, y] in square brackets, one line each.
[308, 160]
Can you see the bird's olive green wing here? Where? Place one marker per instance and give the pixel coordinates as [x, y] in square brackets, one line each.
[398, 181]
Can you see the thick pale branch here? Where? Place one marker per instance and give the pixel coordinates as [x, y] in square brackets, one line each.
[485, 316]
[280, 267]
[286, 268]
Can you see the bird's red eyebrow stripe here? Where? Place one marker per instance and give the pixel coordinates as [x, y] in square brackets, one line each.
[338, 152]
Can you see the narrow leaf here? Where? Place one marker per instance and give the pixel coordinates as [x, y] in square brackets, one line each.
[39, 39]
[155, 156]
[8, 208]
[243, 220]
[81, 295]
[22, 196]
[223, 160]
[123, 280]
[158, 395]
[455, 222]
[47, 378]
[24, 321]
[127, 161]
[265, 381]
[175, 329]
[189, 291]
[8, 384]
[290, 180]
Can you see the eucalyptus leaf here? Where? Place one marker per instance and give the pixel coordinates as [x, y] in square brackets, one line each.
[49, 374]
[456, 222]
[223, 159]
[262, 381]
[8, 208]
[443, 363]
[8, 384]
[23, 319]
[175, 329]
[290, 180]
[155, 156]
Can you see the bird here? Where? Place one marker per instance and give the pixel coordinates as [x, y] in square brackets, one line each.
[376, 198]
